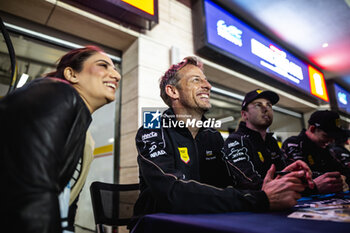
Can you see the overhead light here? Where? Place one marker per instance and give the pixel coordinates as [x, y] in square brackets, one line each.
[227, 93]
[240, 97]
[111, 140]
[324, 45]
[22, 80]
[51, 39]
[347, 2]
[226, 119]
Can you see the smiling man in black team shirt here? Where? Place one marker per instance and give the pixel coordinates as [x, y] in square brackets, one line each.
[181, 168]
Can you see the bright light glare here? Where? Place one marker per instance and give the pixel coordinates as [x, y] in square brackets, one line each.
[324, 45]
[22, 80]
[111, 140]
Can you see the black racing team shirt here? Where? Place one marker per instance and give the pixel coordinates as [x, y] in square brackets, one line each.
[249, 157]
[186, 175]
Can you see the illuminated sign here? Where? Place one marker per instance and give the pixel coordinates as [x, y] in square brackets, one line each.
[139, 13]
[144, 5]
[317, 84]
[239, 41]
[342, 98]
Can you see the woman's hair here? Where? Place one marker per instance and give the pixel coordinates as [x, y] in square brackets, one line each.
[171, 76]
[74, 59]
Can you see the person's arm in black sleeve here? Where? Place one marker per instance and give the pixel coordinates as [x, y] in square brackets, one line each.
[240, 163]
[37, 124]
[336, 165]
[341, 154]
[293, 150]
[176, 195]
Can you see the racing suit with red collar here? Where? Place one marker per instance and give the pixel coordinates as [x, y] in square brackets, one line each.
[186, 175]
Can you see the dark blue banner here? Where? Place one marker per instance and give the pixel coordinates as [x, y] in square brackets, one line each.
[230, 34]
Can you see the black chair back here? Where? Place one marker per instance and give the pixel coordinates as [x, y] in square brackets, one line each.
[113, 203]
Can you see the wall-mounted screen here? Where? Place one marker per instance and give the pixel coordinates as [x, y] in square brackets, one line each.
[239, 41]
[342, 98]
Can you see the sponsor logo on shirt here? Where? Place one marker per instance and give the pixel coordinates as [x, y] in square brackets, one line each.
[310, 159]
[274, 155]
[149, 135]
[232, 144]
[184, 154]
[239, 159]
[209, 155]
[261, 157]
[152, 148]
[157, 153]
[238, 153]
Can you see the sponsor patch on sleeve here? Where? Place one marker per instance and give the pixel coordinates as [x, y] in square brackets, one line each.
[237, 155]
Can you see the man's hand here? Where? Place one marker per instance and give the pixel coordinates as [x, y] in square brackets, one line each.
[330, 182]
[302, 166]
[283, 192]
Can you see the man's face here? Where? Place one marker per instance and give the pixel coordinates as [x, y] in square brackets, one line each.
[194, 88]
[321, 138]
[258, 114]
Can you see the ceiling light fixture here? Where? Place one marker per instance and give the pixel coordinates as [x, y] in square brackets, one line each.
[347, 2]
[22, 80]
[241, 97]
[324, 45]
[51, 39]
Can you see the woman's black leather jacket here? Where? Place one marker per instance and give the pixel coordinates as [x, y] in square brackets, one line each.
[42, 127]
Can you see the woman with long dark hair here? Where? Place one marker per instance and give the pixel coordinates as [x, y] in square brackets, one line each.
[43, 128]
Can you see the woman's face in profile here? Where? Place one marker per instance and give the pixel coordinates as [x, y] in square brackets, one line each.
[98, 79]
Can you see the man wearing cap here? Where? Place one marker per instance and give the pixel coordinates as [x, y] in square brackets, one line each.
[311, 147]
[339, 151]
[181, 168]
[251, 151]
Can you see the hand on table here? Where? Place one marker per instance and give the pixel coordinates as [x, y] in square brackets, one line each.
[283, 191]
[302, 166]
[330, 182]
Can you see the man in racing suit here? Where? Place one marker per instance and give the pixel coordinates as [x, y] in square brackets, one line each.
[311, 146]
[250, 151]
[339, 151]
[181, 170]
